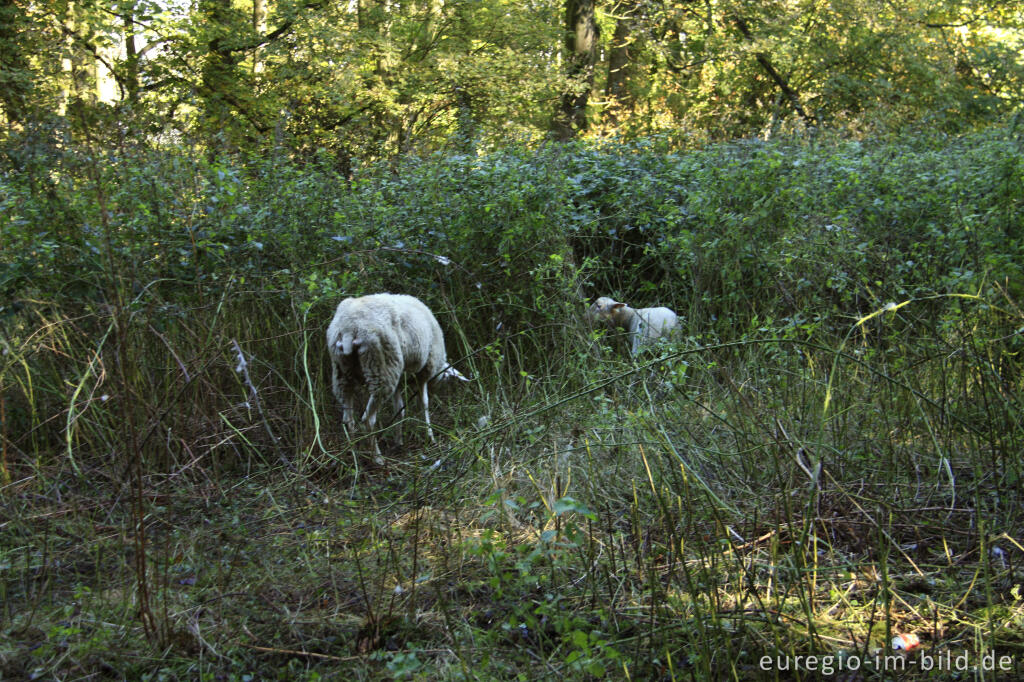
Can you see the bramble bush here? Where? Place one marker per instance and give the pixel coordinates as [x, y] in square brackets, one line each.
[795, 236]
[829, 454]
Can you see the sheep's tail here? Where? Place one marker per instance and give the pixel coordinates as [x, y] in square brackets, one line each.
[346, 342]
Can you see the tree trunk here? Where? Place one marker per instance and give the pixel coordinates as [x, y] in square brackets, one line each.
[18, 79]
[219, 73]
[67, 65]
[465, 131]
[259, 24]
[581, 35]
[131, 54]
[620, 63]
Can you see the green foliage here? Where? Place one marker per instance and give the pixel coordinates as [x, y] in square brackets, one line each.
[728, 235]
[843, 402]
[803, 231]
[368, 80]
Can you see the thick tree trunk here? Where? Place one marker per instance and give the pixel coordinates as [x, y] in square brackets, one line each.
[17, 85]
[131, 55]
[620, 63]
[223, 98]
[466, 122]
[581, 52]
[217, 65]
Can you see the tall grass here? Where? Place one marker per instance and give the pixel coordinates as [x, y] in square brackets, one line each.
[828, 456]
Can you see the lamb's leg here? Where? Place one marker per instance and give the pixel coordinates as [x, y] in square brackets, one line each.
[426, 412]
[637, 332]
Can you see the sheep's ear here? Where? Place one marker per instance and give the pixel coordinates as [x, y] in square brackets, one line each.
[616, 306]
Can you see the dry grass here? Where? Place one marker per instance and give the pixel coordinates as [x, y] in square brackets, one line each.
[680, 518]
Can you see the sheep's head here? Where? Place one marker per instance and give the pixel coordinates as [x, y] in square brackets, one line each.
[609, 311]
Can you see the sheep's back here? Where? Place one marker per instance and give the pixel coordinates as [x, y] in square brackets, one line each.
[419, 333]
[657, 321]
[400, 325]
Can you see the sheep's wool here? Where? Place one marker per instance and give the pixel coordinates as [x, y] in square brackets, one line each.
[375, 339]
[393, 334]
[644, 325]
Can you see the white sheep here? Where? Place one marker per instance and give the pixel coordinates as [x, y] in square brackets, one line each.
[374, 340]
[643, 325]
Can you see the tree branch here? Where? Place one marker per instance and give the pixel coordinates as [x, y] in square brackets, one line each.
[260, 41]
[765, 61]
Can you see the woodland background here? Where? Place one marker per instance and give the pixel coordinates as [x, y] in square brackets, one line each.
[366, 80]
[830, 194]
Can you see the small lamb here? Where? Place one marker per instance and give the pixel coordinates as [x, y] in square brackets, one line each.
[643, 325]
[372, 341]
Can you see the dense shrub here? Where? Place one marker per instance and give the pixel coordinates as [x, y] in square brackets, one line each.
[728, 231]
[795, 236]
[829, 456]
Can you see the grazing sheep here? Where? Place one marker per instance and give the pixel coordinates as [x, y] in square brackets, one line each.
[643, 325]
[372, 341]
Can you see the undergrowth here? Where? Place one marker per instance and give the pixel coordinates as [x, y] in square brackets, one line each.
[827, 457]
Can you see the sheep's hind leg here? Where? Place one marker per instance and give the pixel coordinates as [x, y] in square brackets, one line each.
[343, 394]
[348, 412]
[370, 419]
[399, 404]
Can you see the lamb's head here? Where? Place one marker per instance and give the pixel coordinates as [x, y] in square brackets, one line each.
[608, 311]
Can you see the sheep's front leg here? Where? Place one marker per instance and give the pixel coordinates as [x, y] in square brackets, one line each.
[425, 399]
